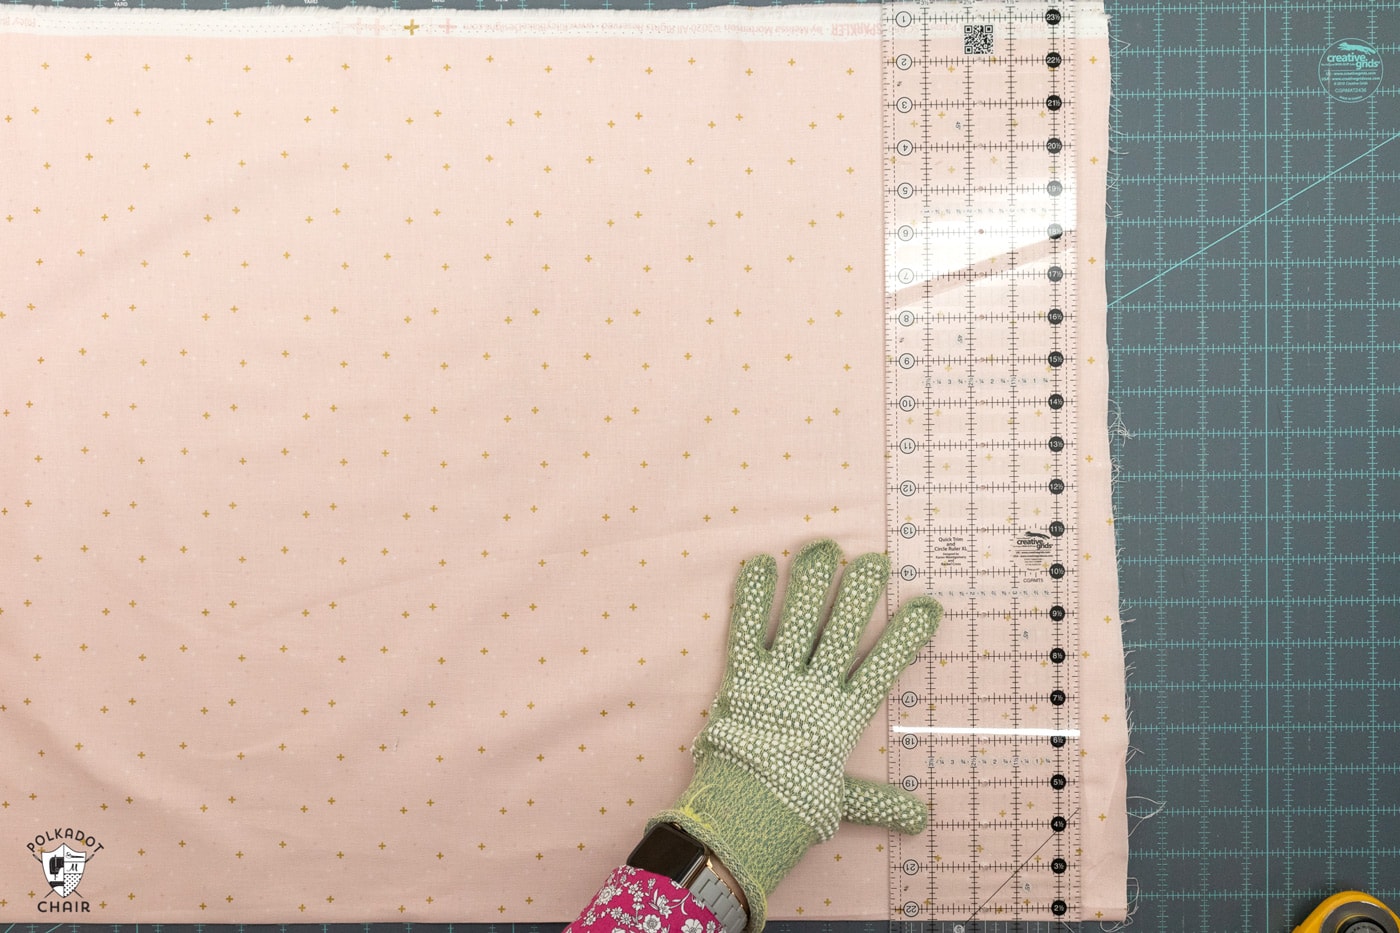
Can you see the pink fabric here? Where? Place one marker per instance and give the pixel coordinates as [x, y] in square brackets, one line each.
[1103, 824]
[634, 900]
[388, 401]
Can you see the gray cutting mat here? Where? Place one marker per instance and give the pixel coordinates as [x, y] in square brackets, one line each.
[1253, 265]
[1255, 343]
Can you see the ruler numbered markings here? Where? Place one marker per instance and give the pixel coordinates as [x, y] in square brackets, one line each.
[980, 387]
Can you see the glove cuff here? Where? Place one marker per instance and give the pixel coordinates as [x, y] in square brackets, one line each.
[757, 836]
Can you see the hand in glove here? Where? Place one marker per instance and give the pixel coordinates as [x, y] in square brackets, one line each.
[769, 766]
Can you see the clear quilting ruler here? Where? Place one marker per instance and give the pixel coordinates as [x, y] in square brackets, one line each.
[979, 188]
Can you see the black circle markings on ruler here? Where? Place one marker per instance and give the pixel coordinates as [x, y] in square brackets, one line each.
[1055, 316]
[1056, 359]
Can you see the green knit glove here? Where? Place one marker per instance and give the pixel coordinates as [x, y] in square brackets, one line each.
[769, 766]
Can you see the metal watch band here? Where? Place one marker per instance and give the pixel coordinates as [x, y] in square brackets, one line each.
[710, 890]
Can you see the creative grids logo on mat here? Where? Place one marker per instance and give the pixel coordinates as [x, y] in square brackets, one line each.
[1350, 70]
[63, 867]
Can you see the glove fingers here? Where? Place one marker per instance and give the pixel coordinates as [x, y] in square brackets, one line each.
[809, 581]
[753, 606]
[907, 632]
[883, 805]
[862, 585]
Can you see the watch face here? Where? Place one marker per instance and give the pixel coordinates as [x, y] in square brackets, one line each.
[668, 851]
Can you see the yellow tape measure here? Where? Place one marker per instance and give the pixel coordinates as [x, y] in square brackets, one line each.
[1350, 912]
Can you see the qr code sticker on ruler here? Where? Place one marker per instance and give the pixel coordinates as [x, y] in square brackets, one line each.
[977, 39]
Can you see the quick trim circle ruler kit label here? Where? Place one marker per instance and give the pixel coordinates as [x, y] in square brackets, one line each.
[981, 375]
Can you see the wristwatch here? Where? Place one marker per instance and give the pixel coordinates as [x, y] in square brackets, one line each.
[671, 851]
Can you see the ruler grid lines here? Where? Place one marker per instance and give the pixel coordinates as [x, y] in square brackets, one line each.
[1254, 346]
[981, 385]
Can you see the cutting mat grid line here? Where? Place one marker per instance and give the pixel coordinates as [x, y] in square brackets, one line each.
[1257, 387]
[1256, 495]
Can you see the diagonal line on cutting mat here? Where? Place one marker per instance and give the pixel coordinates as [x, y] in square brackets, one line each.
[1261, 379]
[1251, 220]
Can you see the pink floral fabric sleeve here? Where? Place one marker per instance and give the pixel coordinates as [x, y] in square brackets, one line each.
[634, 900]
